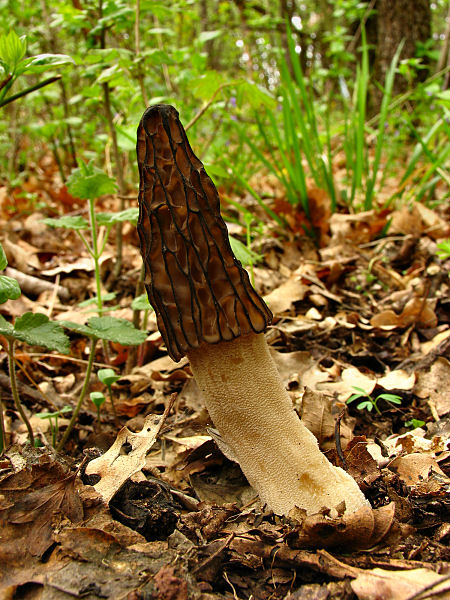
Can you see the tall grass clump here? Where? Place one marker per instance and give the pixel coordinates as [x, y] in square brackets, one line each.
[297, 137]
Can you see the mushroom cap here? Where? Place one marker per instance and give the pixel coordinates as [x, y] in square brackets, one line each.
[199, 290]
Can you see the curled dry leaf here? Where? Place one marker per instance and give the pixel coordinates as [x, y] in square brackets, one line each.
[362, 529]
[417, 310]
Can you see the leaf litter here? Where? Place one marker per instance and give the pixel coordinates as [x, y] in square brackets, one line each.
[355, 312]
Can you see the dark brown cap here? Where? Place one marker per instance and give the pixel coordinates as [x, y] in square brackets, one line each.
[199, 290]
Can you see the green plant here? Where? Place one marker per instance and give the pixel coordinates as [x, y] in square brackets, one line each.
[89, 183]
[108, 377]
[53, 418]
[369, 403]
[106, 329]
[443, 249]
[298, 137]
[414, 423]
[98, 398]
[13, 64]
[33, 329]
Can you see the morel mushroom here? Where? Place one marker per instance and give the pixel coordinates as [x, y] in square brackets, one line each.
[207, 309]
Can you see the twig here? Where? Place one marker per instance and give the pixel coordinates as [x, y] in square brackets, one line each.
[81, 398]
[33, 88]
[207, 104]
[214, 554]
[34, 285]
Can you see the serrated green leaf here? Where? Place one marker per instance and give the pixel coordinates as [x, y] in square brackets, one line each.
[68, 222]
[9, 289]
[37, 330]
[117, 330]
[109, 328]
[87, 182]
[78, 328]
[3, 259]
[141, 303]
[5, 327]
[108, 219]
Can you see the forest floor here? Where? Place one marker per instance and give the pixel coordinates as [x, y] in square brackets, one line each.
[355, 310]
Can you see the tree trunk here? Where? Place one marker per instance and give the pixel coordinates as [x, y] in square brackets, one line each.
[398, 20]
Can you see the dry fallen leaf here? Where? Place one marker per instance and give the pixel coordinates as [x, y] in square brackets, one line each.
[415, 468]
[417, 310]
[282, 298]
[435, 384]
[115, 468]
[380, 584]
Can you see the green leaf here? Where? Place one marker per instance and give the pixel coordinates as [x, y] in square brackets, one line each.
[414, 423]
[443, 251]
[206, 36]
[393, 398]
[359, 389]
[216, 170]
[105, 298]
[204, 87]
[12, 50]
[97, 398]
[44, 62]
[256, 95]
[37, 330]
[354, 397]
[6, 328]
[3, 259]
[107, 376]
[109, 328]
[88, 183]
[52, 415]
[109, 74]
[76, 223]
[141, 303]
[244, 255]
[117, 330]
[365, 405]
[108, 219]
[9, 289]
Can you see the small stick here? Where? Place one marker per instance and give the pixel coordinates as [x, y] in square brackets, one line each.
[337, 436]
[214, 554]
